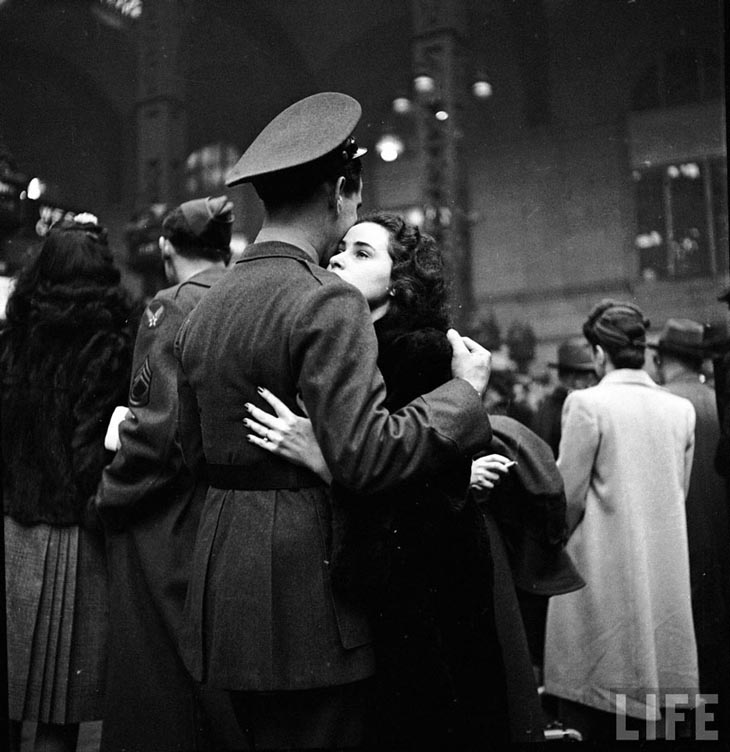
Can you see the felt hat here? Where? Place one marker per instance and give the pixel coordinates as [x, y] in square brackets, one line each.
[305, 131]
[682, 337]
[210, 220]
[574, 355]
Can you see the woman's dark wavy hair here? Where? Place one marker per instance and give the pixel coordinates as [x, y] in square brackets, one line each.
[70, 279]
[65, 355]
[418, 282]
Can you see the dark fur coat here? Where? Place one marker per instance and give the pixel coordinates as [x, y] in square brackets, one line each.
[62, 374]
[419, 556]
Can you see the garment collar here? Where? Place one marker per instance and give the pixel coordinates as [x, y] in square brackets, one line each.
[207, 276]
[274, 249]
[628, 376]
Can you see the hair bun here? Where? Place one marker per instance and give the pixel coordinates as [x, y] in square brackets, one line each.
[616, 323]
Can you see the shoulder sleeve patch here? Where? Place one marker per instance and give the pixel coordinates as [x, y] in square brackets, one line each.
[139, 392]
[154, 313]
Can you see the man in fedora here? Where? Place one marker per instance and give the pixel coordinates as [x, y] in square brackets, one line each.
[150, 506]
[679, 354]
[262, 618]
[576, 370]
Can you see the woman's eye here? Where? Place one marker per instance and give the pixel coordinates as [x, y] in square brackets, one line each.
[362, 254]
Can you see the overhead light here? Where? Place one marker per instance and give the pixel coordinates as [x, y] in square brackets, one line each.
[441, 115]
[481, 89]
[415, 216]
[402, 105]
[424, 84]
[35, 189]
[389, 147]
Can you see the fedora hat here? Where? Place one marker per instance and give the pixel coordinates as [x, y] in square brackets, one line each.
[574, 355]
[305, 131]
[682, 337]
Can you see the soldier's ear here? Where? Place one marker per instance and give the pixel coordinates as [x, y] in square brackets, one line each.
[336, 201]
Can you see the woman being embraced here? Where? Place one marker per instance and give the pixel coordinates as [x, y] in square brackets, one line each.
[417, 554]
[65, 355]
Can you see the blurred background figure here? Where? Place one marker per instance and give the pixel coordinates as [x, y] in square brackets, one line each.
[65, 353]
[576, 370]
[507, 395]
[520, 492]
[678, 359]
[718, 348]
[625, 456]
[150, 506]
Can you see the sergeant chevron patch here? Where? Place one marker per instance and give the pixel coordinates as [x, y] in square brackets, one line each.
[139, 392]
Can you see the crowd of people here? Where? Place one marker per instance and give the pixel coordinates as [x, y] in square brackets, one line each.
[322, 522]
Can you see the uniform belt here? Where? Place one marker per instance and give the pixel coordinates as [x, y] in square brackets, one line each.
[244, 478]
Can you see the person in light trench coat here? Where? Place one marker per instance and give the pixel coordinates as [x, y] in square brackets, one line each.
[625, 455]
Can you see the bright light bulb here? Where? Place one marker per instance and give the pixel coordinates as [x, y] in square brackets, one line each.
[482, 89]
[402, 105]
[424, 84]
[35, 189]
[415, 216]
[441, 115]
[389, 147]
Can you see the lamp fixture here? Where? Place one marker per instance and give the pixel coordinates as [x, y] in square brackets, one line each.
[424, 84]
[402, 105]
[481, 88]
[389, 147]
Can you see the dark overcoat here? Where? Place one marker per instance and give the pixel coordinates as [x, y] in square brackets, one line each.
[151, 506]
[261, 613]
[548, 417]
[708, 537]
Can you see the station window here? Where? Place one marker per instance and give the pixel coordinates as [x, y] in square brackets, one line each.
[681, 208]
[681, 76]
[682, 219]
[206, 168]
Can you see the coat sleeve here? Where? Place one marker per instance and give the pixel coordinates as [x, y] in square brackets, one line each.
[689, 450]
[101, 379]
[149, 458]
[578, 446]
[188, 415]
[334, 351]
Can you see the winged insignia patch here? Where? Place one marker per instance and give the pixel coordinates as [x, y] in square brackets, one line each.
[154, 313]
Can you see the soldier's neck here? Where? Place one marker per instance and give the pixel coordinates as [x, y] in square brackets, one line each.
[297, 235]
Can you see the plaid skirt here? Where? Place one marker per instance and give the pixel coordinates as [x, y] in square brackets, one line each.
[57, 614]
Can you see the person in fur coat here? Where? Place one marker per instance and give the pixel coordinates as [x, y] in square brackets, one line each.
[417, 554]
[65, 357]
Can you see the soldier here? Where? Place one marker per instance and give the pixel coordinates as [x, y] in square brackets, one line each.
[150, 504]
[262, 618]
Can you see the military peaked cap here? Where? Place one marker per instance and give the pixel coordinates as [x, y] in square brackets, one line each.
[303, 132]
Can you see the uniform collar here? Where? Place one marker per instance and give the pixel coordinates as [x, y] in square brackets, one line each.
[274, 249]
[207, 276]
